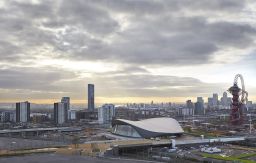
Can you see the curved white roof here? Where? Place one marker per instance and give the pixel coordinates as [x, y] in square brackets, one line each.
[159, 125]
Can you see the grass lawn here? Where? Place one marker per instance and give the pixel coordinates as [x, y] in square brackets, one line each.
[239, 158]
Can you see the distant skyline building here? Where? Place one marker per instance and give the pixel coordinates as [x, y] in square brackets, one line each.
[66, 102]
[7, 116]
[189, 104]
[72, 114]
[224, 99]
[185, 111]
[91, 97]
[200, 99]
[60, 113]
[215, 99]
[106, 113]
[199, 108]
[22, 112]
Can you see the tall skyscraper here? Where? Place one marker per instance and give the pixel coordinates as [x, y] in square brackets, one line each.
[106, 113]
[200, 99]
[189, 104]
[23, 111]
[224, 99]
[60, 113]
[90, 97]
[210, 102]
[199, 108]
[215, 99]
[66, 101]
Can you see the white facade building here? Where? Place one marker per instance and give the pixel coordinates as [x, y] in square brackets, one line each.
[22, 111]
[60, 113]
[72, 114]
[106, 113]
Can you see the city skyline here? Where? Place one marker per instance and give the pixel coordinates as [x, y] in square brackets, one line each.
[131, 51]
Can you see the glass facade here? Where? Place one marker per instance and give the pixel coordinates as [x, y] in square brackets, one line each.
[125, 130]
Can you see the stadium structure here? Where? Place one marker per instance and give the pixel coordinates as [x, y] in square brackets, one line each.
[148, 128]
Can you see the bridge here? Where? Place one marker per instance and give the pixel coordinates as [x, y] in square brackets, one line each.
[36, 131]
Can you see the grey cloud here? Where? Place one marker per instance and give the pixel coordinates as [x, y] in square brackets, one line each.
[42, 83]
[223, 5]
[154, 86]
[168, 41]
[190, 46]
[88, 30]
[9, 51]
[32, 78]
[92, 18]
[155, 35]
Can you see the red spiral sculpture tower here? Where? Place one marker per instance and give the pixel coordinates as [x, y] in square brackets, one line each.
[238, 104]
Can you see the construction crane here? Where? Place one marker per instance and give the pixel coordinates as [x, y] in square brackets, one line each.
[238, 104]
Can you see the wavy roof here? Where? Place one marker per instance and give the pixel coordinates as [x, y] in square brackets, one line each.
[157, 125]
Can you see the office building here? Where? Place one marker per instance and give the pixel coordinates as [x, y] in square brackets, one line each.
[224, 99]
[106, 113]
[60, 113]
[200, 99]
[215, 100]
[210, 102]
[189, 104]
[184, 111]
[23, 111]
[90, 97]
[199, 108]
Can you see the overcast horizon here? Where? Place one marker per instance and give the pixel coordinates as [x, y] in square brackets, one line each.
[131, 50]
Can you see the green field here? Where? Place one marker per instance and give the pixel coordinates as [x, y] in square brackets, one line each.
[239, 158]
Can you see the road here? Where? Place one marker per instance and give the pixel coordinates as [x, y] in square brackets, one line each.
[54, 158]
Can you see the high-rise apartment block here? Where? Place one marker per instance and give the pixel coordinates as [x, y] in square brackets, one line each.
[106, 113]
[23, 111]
[90, 97]
[60, 113]
[66, 101]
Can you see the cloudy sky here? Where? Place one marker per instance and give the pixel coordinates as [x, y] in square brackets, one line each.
[132, 50]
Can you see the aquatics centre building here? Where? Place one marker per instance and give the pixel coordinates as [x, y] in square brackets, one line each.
[148, 128]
